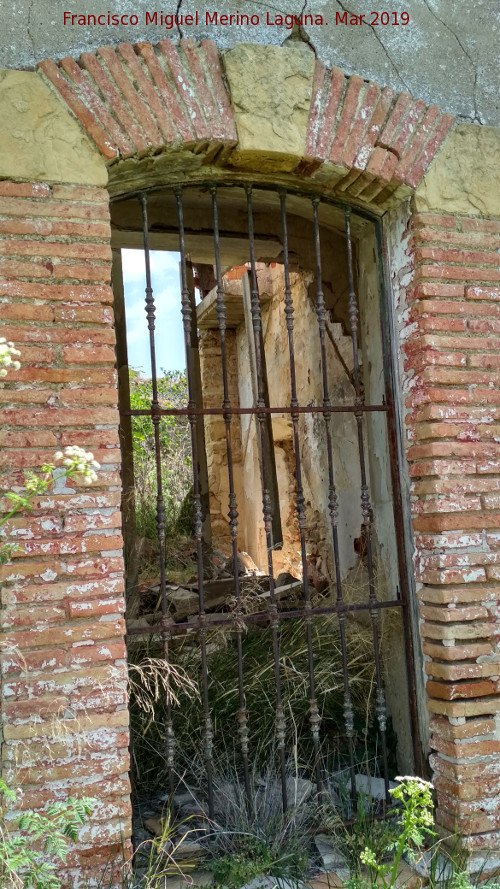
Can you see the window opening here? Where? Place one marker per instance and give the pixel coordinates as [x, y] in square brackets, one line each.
[294, 543]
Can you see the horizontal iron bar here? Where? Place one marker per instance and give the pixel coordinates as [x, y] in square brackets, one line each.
[290, 189]
[310, 409]
[210, 620]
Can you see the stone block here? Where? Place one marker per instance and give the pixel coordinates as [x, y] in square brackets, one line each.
[42, 141]
[271, 90]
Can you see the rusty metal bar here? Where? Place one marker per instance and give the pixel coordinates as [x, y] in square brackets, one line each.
[187, 312]
[160, 503]
[333, 508]
[233, 506]
[366, 507]
[266, 499]
[261, 409]
[314, 716]
[211, 620]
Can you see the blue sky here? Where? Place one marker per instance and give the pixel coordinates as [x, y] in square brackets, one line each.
[169, 337]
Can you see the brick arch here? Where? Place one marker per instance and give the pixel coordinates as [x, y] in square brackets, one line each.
[137, 100]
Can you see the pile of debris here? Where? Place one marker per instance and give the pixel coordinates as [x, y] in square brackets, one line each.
[218, 594]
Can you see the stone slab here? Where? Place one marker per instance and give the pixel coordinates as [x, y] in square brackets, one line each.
[271, 91]
[39, 139]
[465, 175]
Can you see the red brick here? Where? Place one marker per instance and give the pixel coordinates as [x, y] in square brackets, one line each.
[430, 148]
[51, 334]
[207, 105]
[456, 652]
[60, 417]
[401, 108]
[439, 254]
[417, 138]
[83, 272]
[100, 137]
[25, 189]
[100, 438]
[30, 439]
[26, 396]
[95, 231]
[80, 655]
[225, 111]
[481, 225]
[102, 376]
[360, 125]
[61, 635]
[88, 396]
[77, 293]
[457, 273]
[471, 729]
[92, 100]
[454, 672]
[486, 396]
[33, 661]
[346, 118]
[43, 707]
[431, 394]
[18, 269]
[52, 249]
[483, 293]
[25, 312]
[128, 125]
[183, 87]
[136, 103]
[446, 238]
[465, 751]
[171, 102]
[60, 209]
[454, 615]
[89, 355]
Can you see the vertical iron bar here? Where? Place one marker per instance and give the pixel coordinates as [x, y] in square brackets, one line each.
[366, 508]
[396, 457]
[333, 508]
[160, 504]
[187, 312]
[301, 507]
[233, 510]
[266, 499]
[125, 432]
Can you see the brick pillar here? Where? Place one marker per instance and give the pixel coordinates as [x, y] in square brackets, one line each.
[453, 373]
[64, 698]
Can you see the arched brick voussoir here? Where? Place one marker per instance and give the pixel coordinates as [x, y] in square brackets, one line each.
[378, 139]
[136, 99]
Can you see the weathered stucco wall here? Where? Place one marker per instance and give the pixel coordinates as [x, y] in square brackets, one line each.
[458, 42]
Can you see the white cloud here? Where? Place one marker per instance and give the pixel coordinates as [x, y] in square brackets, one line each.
[168, 319]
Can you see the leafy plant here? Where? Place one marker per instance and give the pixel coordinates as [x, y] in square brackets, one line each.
[175, 452]
[75, 463]
[414, 825]
[38, 836]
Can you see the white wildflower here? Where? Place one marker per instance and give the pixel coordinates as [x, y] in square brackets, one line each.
[8, 354]
[77, 460]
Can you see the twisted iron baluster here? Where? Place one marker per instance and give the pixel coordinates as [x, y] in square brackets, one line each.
[333, 507]
[197, 511]
[314, 716]
[233, 511]
[266, 497]
[366, 508]
[160, 503]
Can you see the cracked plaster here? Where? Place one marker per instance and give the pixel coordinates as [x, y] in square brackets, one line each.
[447, 55]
